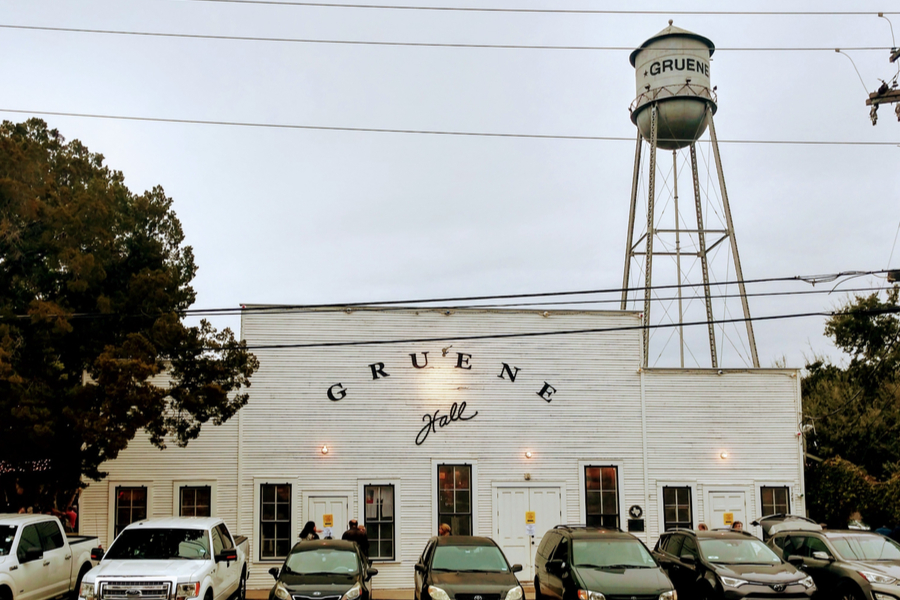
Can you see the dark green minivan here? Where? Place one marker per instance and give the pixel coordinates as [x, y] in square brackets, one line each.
[597, 563]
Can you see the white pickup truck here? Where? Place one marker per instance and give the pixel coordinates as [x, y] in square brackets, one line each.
[175, 558]
[37, 560]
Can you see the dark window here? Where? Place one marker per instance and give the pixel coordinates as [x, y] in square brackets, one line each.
[274, 520]
[546, 545]
[455, 498]
[218, 546]
[779, 541]
[31, 538]
[562, 551]
[131, 506]
[601, 489]
[51, 536]
[689, 548]
[677, 508]
[196, 501]
[775, 500]
[673, 547]
[227, 542]
[379, 520]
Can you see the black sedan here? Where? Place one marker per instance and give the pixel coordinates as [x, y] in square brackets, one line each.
[464, 568]
[323, 570]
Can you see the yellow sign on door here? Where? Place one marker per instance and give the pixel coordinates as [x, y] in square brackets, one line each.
[729, 518]
[529, 517]
[328, 520]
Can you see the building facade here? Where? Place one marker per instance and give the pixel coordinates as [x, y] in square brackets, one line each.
[500, 423]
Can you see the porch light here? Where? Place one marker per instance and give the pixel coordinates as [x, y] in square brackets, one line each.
[724, 455]
[528, 454]
[324, 449]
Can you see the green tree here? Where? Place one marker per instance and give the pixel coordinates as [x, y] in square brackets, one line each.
[855, 409]
[94, 283]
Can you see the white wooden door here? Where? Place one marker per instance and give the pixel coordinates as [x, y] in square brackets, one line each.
[335, 507]
[511, 504]
[722, 504]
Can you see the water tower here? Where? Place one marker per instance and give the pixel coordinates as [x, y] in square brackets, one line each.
[694, 265]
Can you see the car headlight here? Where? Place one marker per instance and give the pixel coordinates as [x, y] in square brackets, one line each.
[352, 593]
[190, 590]
[670, 595]
[807, 582]
[733, 581]
[437, 593]
[515, 593]
[282, 593]
[589, 595]
[86, 591]
[876, 577]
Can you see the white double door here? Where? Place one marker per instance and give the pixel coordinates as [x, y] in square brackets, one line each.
[726, 507]
[333, 509]
[511, 507]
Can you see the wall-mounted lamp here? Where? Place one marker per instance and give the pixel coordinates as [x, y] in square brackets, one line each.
[528, 454]
[724, 455]
[324, 449]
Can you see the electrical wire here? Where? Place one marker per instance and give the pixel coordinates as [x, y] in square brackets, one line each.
[529, 334]
[573, 11]
[537, 136]
[408, 44]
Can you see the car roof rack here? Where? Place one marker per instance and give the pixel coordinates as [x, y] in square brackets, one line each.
[571, 526]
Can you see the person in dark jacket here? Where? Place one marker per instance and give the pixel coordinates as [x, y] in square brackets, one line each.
[354, 534]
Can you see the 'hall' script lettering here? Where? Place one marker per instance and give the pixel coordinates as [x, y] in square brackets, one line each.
[433, 421]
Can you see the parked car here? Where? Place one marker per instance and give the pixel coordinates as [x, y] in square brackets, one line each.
[38, 560]
[593, 563]
[174, 558]
[463, 567]
[323, 570]
[728, 565]
[850, 565]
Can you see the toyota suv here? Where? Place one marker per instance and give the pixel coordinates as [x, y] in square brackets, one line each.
[593, 563]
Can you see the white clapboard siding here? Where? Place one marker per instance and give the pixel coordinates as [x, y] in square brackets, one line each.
[604, 411]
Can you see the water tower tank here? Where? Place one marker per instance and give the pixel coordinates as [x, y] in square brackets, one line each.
[672, 71]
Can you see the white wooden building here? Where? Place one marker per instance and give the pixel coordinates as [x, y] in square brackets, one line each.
[458, 416]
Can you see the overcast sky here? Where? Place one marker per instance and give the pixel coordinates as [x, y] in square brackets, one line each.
[294, 216]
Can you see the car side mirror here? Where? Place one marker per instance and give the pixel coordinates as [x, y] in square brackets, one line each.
[33, 553]
[370, 573]
[819, 555]
[556, 566]
[274, 572]
[795, 560]
[97, 553]
[227, 555]
[515, 568]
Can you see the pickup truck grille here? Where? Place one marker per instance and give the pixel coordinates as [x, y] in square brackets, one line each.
[135, 590]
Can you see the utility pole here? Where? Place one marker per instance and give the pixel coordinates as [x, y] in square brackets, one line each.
[885, 94]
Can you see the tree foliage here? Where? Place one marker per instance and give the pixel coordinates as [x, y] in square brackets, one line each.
[94, 283]
[855, 409]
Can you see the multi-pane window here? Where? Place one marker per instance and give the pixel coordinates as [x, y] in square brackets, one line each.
[131, 506]
[455, 498]
[601, 490]
[195, 501]
[775, 500]
[677, 508]
[274, 520]
[380, 521]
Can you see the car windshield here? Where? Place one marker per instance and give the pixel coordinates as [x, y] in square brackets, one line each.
[322, 561]
[160, 544]
[474, 559]
[7, 534]
[732, 551]
[611, 554]
[866, 547]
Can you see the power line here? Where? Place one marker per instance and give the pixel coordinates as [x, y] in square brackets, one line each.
[408, 44]
[537, 136]
[495, 336]
[572, 11]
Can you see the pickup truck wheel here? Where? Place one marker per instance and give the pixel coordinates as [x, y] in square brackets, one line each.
[81, 574]
[241, 593]
[5, 593]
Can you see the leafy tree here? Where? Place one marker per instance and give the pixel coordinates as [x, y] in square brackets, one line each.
[855, 410]
[94, 282]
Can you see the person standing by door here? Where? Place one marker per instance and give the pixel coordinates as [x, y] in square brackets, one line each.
[354, 534]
